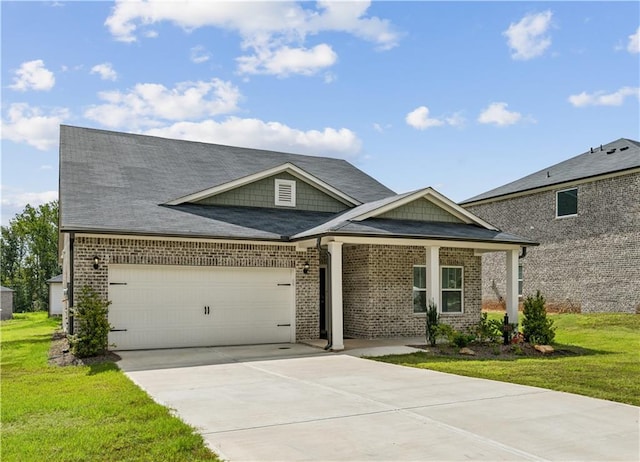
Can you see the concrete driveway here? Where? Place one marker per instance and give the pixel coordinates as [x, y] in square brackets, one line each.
[270, 404]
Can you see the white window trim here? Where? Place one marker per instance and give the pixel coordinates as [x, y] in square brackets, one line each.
[289, 183]
[461, 290]
[570, 215]
[416, 313]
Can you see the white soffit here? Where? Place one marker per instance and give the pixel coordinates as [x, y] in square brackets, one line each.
[287, 167]
[435, 198]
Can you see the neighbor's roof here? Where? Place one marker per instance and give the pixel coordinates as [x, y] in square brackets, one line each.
[620, 155]
[6, 289]
[116, 182]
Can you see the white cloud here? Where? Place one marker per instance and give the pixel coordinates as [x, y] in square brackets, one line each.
[148, 103]
[255, 133]
[14, 201]
[497, 114]
[274, 33]
[199, 54]
[286, 61]
[600, 98]
[527, 38]
[46, 167]
[420, 120]
[26, 124]
[105, 70]
[634, 42]
[32, 75]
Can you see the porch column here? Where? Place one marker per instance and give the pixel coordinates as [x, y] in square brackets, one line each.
[433, 276]
[512, 285]
[335, 272]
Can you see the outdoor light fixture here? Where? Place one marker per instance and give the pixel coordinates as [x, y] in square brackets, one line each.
[305, 268]
[96, 262]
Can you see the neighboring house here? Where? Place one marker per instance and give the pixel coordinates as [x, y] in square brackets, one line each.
[585, 212]
[6, 303]
[55, 295]
[199, 244]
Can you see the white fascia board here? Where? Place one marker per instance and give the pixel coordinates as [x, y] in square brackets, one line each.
[287, 167]
[434, 197]
[475, 245]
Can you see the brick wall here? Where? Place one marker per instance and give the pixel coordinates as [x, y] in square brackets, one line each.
[378, 290]
[590, 261]
[200, 253]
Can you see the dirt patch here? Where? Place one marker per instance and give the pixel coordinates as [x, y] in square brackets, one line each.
[492, 351]
[60, 353]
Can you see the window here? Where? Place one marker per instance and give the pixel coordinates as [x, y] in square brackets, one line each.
[567, 203]
[286, 193]
[419, 289]
[520, 279]
[451, 284]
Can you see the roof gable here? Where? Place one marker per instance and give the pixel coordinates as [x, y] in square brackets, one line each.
[617, 156]
[284, 171]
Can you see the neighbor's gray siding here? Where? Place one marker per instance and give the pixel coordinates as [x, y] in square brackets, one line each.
[378, 290]
[421, 210]
[6, 303]
[590, 261]
[261, 193]
[200, 253]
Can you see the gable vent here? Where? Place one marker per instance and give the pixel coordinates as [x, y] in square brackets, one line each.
[285, 193]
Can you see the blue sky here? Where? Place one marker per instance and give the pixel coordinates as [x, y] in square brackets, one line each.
[461, 96]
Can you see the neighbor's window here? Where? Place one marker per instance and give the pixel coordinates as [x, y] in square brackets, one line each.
[520, 279]
[451, 284]
[419, 289]
[567, 202]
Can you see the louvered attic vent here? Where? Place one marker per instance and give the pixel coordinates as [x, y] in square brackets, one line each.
[286, 193]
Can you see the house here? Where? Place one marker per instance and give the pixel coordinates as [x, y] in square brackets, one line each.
[198, 244]
[55, 295]
[6, 303]
[585, 212]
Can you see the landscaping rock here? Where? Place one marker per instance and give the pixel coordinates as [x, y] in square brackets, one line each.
[544, 349]
[467, 351]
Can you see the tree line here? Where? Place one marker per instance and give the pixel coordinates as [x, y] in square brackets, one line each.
[29, 256]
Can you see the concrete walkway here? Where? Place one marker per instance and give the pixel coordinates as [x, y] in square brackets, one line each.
[310, 405]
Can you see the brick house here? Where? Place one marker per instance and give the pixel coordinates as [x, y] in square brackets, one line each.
[199, 244]
[585, 213]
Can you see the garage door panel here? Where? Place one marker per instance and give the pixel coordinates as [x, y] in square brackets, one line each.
[164, 306]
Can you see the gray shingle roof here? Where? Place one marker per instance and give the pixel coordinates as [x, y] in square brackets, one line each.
[115, 181]
[619, 155]
[54, 279]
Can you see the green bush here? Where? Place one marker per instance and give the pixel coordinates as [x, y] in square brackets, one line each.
[488, 329]
[93, 327]
[432, 320]
[455, 337]
[535, 325]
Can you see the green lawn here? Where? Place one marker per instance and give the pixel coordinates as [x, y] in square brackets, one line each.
[607, 365]
[80, 413]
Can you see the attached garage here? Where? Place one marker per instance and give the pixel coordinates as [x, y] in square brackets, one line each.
[192, 306]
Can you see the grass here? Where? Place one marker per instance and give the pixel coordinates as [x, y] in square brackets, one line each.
[80, 413]
[603, 359]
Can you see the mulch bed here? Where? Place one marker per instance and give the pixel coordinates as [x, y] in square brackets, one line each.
[60, 354]
[491, 351]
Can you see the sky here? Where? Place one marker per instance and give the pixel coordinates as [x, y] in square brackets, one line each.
[459, 96]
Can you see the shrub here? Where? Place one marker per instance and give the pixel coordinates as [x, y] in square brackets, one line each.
[461, 339]
[433, 319]
[535, 325]
[488, 329]
[93, 327]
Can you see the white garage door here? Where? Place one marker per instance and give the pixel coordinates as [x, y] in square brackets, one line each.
[178, 306]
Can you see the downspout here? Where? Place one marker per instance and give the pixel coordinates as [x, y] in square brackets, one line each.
[70, 297]
[523, 253]
[327, 313]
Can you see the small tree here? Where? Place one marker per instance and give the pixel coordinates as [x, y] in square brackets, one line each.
[536, 328]
[93, 326]
[433, 319]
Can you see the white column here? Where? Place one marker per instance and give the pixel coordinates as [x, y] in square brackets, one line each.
[337, 336]
[433, 275]
[512, 285]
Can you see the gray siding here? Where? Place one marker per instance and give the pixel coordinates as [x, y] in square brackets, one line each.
[421, 210]
[589, 261]
[262, 194]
